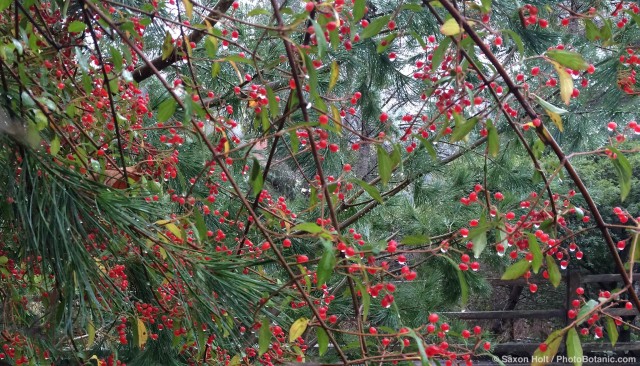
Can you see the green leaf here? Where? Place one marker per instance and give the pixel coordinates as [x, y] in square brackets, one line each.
[396, 155]
[273, 102]
[534, 248]
[384, 165]
[76, 26]
[200, 224]
[295, 142]
[334, 37]
[591, 30]
[554, 272]
[462, 280]
[493, 139]
[462, 127]
[323, 341]
[550, 107]
[239, 59]
[438, 54]
[255, 178]
[309, 227]
[387, 41]
[264, 337]
[166, 109]
[366, 302]
[416, 240]
[416, 8]
[371, 190]
[167, 46]
[553, 344]
[5, 4]
[516, 39]
[574, 348]
[297, 329]
[258, 11]
[634, 16]
[586, 309]
[450, 27]
[326, 264]
[516, 270]
[375, 27]
[419, 342]
[211, 46]
[606, 33]
[418, 38]
[570, 59]
[486, 6]
[479, 244]
[55, 145]
[321, 40]
[428, 145]
[623, 170]
[215, 69]
[358, 10]
[612, 331]
[116, 58]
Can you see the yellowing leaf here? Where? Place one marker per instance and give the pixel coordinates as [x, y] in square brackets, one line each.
[235, 67]
[235, 361]
[556, 119]
[142, 333]
[188, 44]
[171, 227]
[297, 329]
[541, 358]
[450, 28]
[188, 8]
[335, 113]
[167, 46]
[91, 333]
[335, 73]
[566, 82]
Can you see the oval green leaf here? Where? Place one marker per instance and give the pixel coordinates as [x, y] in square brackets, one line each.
[516, 270]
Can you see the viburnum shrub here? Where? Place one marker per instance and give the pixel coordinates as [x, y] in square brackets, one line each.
[241, 182]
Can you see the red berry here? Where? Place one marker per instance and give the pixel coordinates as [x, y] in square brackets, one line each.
[302, 258]
[308, 7]
[433, 318]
